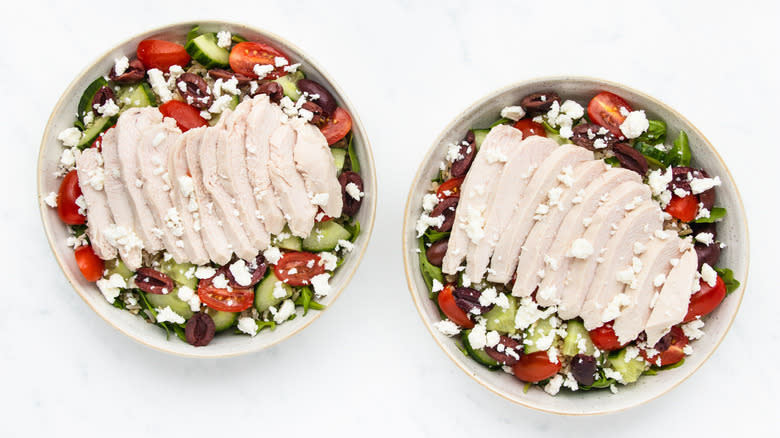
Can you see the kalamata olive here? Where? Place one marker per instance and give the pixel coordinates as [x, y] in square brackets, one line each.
[103, 95]
[199, 330]
[134, 73]
[468, 150]
[256, 268]
[583, 367]
[194, 90]
[587, 134]
[539, 103]
[351, 205]
[435, 253]
[316, 112]
[510, 352]
[707, 198]
[681, 179]
[153, 281]
[225, 75]
[272, 89]
[630, 158]
[708, 254]
[467, 299]
[325, 100]
[446, 208]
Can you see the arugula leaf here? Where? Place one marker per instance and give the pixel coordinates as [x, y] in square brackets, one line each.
[727, 275]
[193, 33]
[655, 134]
[500, 121]
[305, 300]
[354, 230]
[681, 151]
[79, 230]
[177, 328]
[354, 164]
[600, 383]
[715, 214]
[549, 128]
[653, 370]
[429, 271]
[435, 236]
[612, 161]
[238, 38]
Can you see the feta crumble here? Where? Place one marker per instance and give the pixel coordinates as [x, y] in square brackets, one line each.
[70, 137]
[51, 199]
[581, 249]
[168, 315]
[111, 287]
[635, 124]
[285, 312]
[447, 327]
[224, 39]
[321, 285]
[247, 325]
[513, 112]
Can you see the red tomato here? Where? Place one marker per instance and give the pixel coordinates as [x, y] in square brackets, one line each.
[604, 337]
[535, 367]
[66, 200]
[323, 218]
[528, 127]
[234, 300]
[674, 353]
[161, 54]
[706, 299]
[186, 116]
[244, 56]
[90, 265]
[684, 209]
[451, 310]
[604, 110]
[304, 266]
[337, 126]
[452, 186]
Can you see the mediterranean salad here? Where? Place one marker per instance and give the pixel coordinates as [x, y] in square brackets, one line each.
[573, 244]
[209, 187]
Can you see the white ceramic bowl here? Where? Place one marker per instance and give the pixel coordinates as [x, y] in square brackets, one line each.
[733, 231]
[134, 326]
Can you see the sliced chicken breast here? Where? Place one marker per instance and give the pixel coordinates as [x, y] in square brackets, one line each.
[655, 268]
[508, 248]
[602, 303]
[185, 199]
[264, 119]
[90, 173]
[530, 266]
[315, 163]
[605, 222]
[288, 183]
[522, 161]
[127, 242]
[672, 303]
[574, 225]
[225, 206]
[232, 168]
[476, 193]
[205, 217]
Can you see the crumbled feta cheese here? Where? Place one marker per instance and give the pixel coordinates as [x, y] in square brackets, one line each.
[430, 201]
[261, 70]
[121, 65]
[108, 109]
[567, 176]
[453, 152]
[513, 112]
[328, 260]
[110, 287]
[701, 185]
[709, 275]
[185, 293]
[272, 254]
[247, 325]
[553, 386]
[159, 84]
[220, 104]
[639, 248]
[224, 39]
[203, 272]
[581, 249]
[320, 199]
[705, 238]
[279, 290]
[659, 280]
[478, 337]
[436, 286]
[168, 315]
[492, 338]
[614, 307]
[285, 312]
[659, 179]
[528, 313]
[241, 273]
[626, 276]
[69, 137]
[572, 109]
[692, 330]
[447, 327]
[280, 61]
[231, 86]
[220, 281]
[346, 245]
[551, 262]
[292, 68]
[635, 124]
[51, 199]
[609, 373]
[321, 285]
[495, 156]
[68, 157]
[354, 191]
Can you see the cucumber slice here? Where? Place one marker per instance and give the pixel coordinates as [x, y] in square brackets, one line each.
[575, 331]
[232, 105]
[170, 299]
[502, 320]
[325, 236]
[479, 136]
[117, 266]
[205, 50]
[178, 272]
[85, 103]
[289, 84]
[264, 292]
[478, 355]
[539, 330]
[339, 156]
[93, 130]
[293, 243]
[630, 370]
[136, 96]
[222, 320]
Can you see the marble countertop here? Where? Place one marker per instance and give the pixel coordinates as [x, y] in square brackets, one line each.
[368, 366]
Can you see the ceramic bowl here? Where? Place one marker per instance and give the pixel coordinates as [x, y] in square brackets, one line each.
[732, 230]
[56, 232]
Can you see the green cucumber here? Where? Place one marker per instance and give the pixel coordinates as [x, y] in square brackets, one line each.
[479, 136]
[232, 105]
[117, 266]
[170, 299]
[681, 151]
[135, 96]
[575, 331]
[205, 50]
[93, 130]
[325, 236]
[292, 243]
[502, 320]
[540, 329]
[339, 156]
[85, 103]
[630, 370]
[289, 84]
[478, 355]
[178, 271]
[222, 320]
[264, 292]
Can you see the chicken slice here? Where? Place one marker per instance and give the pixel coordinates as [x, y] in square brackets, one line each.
[288, 183]
[185, 199]
[90, 174]
[264, 119]
[672, 303]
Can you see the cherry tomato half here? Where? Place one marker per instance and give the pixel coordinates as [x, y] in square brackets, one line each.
[535, 367]
[706, 299]
[66, 200]
[297, 268]
[684, 209]
[451, 310]
[186, 116]
[90, 265]
[161, 54]
[450, 188]
[604, 110]
[604, 337]
[244, 56]
[235, 300]
[675, 351]
[337, 126]
[528, 127]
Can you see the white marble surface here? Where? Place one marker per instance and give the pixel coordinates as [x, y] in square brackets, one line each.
[368, 365]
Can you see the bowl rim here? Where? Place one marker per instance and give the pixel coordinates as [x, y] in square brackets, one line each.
[474, 107]
[367, 161]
